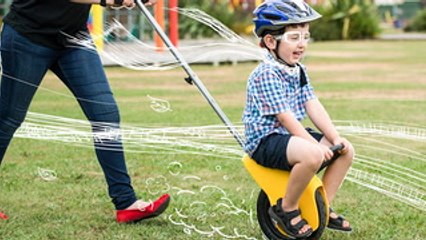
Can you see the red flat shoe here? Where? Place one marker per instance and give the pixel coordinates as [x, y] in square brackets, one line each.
[3, 216]
[152, 210]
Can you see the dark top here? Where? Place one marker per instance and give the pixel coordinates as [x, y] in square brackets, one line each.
[45, 21]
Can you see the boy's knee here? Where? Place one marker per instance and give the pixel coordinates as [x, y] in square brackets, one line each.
[349, 154]
[315, 159]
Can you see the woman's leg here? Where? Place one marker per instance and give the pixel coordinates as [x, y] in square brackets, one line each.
[82, 71]
[24, 65]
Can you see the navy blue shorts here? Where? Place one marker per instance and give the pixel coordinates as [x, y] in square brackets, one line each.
[272, 150]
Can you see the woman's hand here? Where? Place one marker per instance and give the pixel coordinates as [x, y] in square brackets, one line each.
[128, 3]
[131, 3]
[150, 3]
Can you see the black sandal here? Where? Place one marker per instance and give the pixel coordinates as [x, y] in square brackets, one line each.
[283, 219]
[337, 223]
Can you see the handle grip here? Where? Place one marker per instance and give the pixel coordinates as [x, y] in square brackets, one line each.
[336, 148]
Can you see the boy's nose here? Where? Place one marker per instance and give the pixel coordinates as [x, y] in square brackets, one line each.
[303, 43]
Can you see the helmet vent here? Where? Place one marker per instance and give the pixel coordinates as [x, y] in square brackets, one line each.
[283, 9]
[271, 17]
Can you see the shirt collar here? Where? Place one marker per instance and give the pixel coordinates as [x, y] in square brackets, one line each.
[292, 71]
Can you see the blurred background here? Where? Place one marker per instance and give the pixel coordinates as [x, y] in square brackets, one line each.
[342, 19]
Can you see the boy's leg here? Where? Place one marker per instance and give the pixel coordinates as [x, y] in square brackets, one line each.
[335, 173]
[306, 158]
[303, 159]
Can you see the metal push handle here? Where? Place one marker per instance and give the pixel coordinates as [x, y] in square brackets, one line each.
[193, 78]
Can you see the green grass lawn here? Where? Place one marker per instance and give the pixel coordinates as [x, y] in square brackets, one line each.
[363, 82]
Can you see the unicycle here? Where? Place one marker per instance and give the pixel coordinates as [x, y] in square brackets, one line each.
[313, 202]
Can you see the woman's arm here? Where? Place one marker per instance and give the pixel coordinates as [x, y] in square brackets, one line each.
[127, 3]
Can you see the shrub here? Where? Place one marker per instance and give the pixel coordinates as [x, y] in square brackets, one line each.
[235, 19]
[342, 19]
[418, 23]
[346, 19]
[325, 28]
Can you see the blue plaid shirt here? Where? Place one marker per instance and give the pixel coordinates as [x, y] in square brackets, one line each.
[273, 88]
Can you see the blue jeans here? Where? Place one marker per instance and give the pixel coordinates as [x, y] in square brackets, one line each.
[25, 64]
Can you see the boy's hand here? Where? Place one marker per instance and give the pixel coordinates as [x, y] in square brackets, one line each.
[345, 144]
[328, 154]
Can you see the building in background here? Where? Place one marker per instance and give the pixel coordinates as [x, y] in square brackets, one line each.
[399, 12]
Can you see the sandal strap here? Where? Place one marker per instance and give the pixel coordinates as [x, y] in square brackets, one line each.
[337, 221]
[299, 225]
[283, 219]
[339, 218]
[286, 215]
[293, 214]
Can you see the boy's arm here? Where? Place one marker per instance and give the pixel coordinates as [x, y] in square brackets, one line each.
[322, 121]
[294, 127]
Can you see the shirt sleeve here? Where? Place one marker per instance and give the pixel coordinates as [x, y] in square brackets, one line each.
[268, 93]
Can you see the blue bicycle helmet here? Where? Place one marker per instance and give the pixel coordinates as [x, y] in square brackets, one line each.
[275, 14]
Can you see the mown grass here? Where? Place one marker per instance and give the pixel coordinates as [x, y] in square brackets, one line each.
[357, 81]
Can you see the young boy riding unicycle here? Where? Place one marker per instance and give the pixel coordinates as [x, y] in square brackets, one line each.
[279, 96]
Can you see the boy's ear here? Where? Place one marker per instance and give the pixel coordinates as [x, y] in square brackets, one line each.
[269, 41]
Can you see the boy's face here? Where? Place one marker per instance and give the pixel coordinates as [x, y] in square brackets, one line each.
[293, 43]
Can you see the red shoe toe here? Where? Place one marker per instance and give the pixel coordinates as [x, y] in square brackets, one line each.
[152, 210]
[3, 216]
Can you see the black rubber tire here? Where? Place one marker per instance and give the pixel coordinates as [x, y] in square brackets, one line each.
[271, 232]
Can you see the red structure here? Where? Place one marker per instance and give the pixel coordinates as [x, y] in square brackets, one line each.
[173, 22]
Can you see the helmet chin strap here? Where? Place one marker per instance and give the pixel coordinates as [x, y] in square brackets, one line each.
[277, 57]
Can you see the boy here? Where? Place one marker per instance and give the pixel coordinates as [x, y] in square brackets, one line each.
[279, 95]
